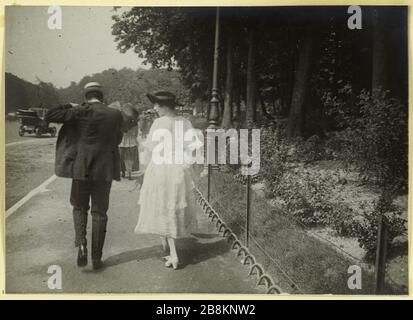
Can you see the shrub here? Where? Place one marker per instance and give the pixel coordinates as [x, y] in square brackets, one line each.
[307, 195]
[274, 154]
[338, 146]
[381, 148]
[342, 220]
[312, 149]
[367, 229]
[373, 135]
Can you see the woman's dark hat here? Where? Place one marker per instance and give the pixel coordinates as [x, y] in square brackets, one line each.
[163, 97]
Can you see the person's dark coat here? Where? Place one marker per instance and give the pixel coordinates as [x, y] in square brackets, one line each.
[87, 143]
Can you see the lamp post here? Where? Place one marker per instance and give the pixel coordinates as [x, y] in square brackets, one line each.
[213, 114]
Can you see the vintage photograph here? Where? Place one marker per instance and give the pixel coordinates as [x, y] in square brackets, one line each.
[215, 150]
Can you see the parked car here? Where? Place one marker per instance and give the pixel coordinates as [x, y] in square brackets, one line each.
[32, 121]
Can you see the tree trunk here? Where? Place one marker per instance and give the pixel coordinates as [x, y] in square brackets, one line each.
[251, 81]
[379, 76]
[227, 115]
[287, 93]
[301, 82]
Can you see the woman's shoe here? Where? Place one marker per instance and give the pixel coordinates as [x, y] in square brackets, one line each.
[174, 263]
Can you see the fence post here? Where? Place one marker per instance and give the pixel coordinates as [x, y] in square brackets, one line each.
[209, 181]
[247, 220]
[381, 251]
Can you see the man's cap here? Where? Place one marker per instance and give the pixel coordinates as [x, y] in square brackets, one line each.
[163, 97]
[93, 87]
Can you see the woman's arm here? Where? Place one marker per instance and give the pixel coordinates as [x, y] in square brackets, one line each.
[148, 144]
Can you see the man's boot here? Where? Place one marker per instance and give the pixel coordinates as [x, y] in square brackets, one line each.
[80, 223]
[98, 240]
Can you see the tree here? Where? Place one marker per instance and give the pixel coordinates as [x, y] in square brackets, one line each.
[127, 85]
[23, 94]
[171, 37]
[379, 76]
[227, 116]
[273, 57]
[296, 116]
[16, 92]
[251, 80]
[47, 94]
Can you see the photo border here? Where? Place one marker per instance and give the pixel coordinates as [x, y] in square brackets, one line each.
[191, 296]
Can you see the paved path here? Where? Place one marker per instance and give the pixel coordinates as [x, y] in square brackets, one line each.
[40, 233]
[27, 166]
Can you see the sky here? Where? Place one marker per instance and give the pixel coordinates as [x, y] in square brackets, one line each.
[83, 46]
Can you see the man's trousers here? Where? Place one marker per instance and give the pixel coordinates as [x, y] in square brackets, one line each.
[82, 193]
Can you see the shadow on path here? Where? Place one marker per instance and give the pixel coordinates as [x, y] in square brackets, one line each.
[191, 251]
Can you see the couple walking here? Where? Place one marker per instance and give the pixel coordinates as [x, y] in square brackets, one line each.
[87, 152]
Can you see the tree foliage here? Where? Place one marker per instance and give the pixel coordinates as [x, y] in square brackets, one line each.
[125, 85]
[23, 94]
[170, 37]
[296, 63]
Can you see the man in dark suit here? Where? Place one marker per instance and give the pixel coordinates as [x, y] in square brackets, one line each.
[87, 151]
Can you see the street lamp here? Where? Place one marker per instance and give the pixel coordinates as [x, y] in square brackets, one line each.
[213, 114]
[213, 117]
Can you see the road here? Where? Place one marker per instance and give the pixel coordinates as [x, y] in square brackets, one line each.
[39, 234]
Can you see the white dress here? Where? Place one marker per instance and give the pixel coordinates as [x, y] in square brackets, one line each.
[166, 204]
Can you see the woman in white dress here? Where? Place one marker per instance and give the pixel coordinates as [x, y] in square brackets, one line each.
[165, 193]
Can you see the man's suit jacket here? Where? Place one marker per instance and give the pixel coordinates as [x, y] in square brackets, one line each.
[87, 144]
